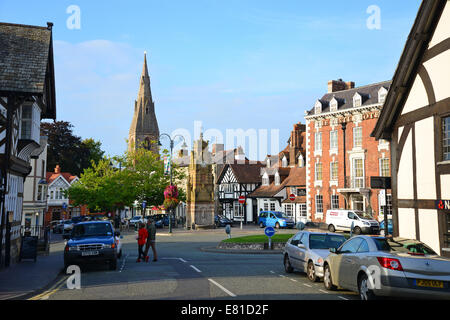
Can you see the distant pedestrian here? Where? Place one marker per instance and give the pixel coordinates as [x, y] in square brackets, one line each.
[151, 239]
[141, 238]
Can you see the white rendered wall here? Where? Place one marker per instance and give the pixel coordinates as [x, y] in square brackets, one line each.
[429, 228]
[439, 70]
[406, 223]
[426, 180]
[417, 98]
[405, 172]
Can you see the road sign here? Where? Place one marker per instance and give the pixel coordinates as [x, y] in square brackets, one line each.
[292, 197]
[382, 197]
[241, 199]
[64, 205]
[380, 182]
[269, 231]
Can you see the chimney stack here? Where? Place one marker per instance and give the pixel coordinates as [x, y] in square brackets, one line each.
[57, 169]
[339, 85]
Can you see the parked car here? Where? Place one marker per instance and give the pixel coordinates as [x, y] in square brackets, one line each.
[56, 226]
[67, 226]
[275, 219]
[343, 219]
[390, 226]
[222, 221]
[92, 242]
[379, 266]
[307, 251]
[135, 220]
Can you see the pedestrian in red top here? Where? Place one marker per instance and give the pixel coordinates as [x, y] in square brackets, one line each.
[142, 239]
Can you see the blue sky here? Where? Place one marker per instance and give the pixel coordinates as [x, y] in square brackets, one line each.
[230, 64]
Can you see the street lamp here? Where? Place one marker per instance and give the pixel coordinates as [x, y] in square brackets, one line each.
[170, 171]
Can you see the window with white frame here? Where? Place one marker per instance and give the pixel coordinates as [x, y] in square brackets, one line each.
[301, 161]
[288, 208]
[318, 107]
[318, 172]
[358, 173]
[382, 94]
[384, 168]
[303, 211]
[333, 105]
[334, 140]
[334, 171]
[319, 203]
[265, 179]
[238, 212]
[284, 162]
[334, 201]
[277, 179]
[318, 141]
[272, 206]
[357, 101]
[357, 137]
[388, 204]
[266, 206]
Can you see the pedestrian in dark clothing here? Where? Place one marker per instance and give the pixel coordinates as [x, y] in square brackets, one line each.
[141, 238]
[151, 240]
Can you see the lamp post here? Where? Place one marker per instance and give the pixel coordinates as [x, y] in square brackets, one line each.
[170, 171]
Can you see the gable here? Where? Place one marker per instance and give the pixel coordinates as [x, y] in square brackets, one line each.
[228, 177]
[59, 182]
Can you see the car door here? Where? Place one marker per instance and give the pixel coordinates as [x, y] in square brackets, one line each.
[270, 222]
[347, 260]
[292, 250]
[351, 218]
[358, 259]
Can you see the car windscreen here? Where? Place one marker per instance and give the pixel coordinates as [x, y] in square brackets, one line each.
[364, 215]
[325, 241]
[279, 214]
[403, 246]
[92, 229]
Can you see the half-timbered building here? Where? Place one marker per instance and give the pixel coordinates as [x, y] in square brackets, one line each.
[238, 180]
[416, 120]
[27, 95]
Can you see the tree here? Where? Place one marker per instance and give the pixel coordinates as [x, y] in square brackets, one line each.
[68, 150]
[114, 183]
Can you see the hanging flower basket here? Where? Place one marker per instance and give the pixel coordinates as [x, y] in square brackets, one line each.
[171, 192]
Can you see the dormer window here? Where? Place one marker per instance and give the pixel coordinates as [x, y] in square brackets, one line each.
[382, 93]
[333, 105]
[357, 100]
[268, 163]
[265, 179]
[318, 107]
[277, 179]
[301, 161]
[284, 162]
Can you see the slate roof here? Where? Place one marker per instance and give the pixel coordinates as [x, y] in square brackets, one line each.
[26, 62]
[24, 52]
[345, 97]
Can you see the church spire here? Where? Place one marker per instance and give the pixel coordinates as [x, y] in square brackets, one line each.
[144, 126]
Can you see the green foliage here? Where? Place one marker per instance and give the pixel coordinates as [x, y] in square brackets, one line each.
[68, 150]
[113, 183]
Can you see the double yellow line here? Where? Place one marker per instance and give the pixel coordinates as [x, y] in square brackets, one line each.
[46, 294]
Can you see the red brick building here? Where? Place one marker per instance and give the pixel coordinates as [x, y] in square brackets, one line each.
[338, 173]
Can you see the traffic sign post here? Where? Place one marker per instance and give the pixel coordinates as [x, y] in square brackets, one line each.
[242, 201]
[269, 231]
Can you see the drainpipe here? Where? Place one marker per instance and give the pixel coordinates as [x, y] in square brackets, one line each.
[344, 127]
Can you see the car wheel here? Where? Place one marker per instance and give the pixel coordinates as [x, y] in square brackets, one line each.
[261, 225]
[363, 287]
[287, 264]
[327, 281]
[113, 264]
[357, 230]
[311, 272]
[331, 228]
[277, 225]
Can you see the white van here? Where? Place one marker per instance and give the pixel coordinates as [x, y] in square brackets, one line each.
[342, 220]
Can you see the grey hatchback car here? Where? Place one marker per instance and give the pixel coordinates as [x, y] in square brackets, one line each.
[306, 251]
[378, 266]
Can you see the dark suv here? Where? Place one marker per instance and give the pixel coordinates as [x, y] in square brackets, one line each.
[92, 242]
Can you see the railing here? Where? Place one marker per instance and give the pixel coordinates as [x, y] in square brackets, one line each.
[41, 232]
[357, 182]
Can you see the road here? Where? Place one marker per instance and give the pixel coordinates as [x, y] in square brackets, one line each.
[184, 271]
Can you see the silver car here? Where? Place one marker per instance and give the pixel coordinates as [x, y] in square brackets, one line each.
[378, 266]
[306, 251]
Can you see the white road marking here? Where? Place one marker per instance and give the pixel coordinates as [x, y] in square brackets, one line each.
[293, 280]
[182, 260]
[272, 271]
[323, 291]
[307, 285]
[342, 298]
[195, 268]
[123, 263]
[282, 276]
[224, 289]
